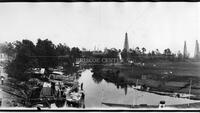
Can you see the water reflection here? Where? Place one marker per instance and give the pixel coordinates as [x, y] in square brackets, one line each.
[116, 89]
[97, 78]
[110, 77]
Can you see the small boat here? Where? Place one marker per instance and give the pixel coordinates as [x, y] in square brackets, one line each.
[130, 106]
[75, 99]
[74, 96]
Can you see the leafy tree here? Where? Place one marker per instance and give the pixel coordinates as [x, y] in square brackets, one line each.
[112, 53]
[8, 49]
[75, 53]
[143, 50]
[179, 55]
[62, 49]
[24, 60]
[125, 55]
[46, 53]
[137, 49]
[157, 52]
[153, 53]
[167, 52]
[43, 55]
[63, 52]
[134, 55]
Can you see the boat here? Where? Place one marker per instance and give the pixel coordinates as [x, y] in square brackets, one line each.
[75, 99]
[129, 105]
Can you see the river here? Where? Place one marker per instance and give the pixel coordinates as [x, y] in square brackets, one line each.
[98, 92]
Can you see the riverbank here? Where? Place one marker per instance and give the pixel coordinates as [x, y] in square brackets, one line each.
[54, 88]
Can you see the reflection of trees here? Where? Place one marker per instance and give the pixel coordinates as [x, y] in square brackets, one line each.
[97, 78]
[119, 82]
[97, 69]
[110, 76]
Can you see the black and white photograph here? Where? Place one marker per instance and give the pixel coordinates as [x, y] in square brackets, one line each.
[99, 56]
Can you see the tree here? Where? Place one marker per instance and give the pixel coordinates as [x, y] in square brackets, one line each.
[167, 52]
[63, 52]
[46, 53]
[112, 53]
[62, 49]
[75, 53]
[24, 60]
[143, 50]
[153, 53]
[179, 55]
[8, 49]
[83, 49]
[157, 52]
[137, 49]
[124, 55]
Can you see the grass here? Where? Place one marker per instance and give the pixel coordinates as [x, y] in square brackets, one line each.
[181, 71]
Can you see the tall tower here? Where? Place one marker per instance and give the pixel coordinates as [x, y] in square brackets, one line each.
[126, 46]
[185, 50]
[196, 51]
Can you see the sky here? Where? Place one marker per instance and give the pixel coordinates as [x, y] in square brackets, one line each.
[156, 25]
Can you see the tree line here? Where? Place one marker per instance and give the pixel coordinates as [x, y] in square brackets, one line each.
[139, 55]
[25, 54]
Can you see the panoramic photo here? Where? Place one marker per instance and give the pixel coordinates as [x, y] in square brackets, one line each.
[64, 56]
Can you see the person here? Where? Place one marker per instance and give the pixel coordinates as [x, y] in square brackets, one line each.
[53, 88]
[62, 92]
[83, 96]
[2, 80]
[57, 89]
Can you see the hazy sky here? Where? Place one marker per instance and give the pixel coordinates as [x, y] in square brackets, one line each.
[149, 25]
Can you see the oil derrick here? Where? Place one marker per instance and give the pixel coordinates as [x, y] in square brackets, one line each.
[185, 53]
[126, 45]
[196, 51]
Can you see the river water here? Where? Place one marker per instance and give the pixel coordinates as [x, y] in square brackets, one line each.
[98, 92]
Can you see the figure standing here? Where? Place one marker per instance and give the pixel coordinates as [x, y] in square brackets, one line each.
[53, 88]
[2, 80]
